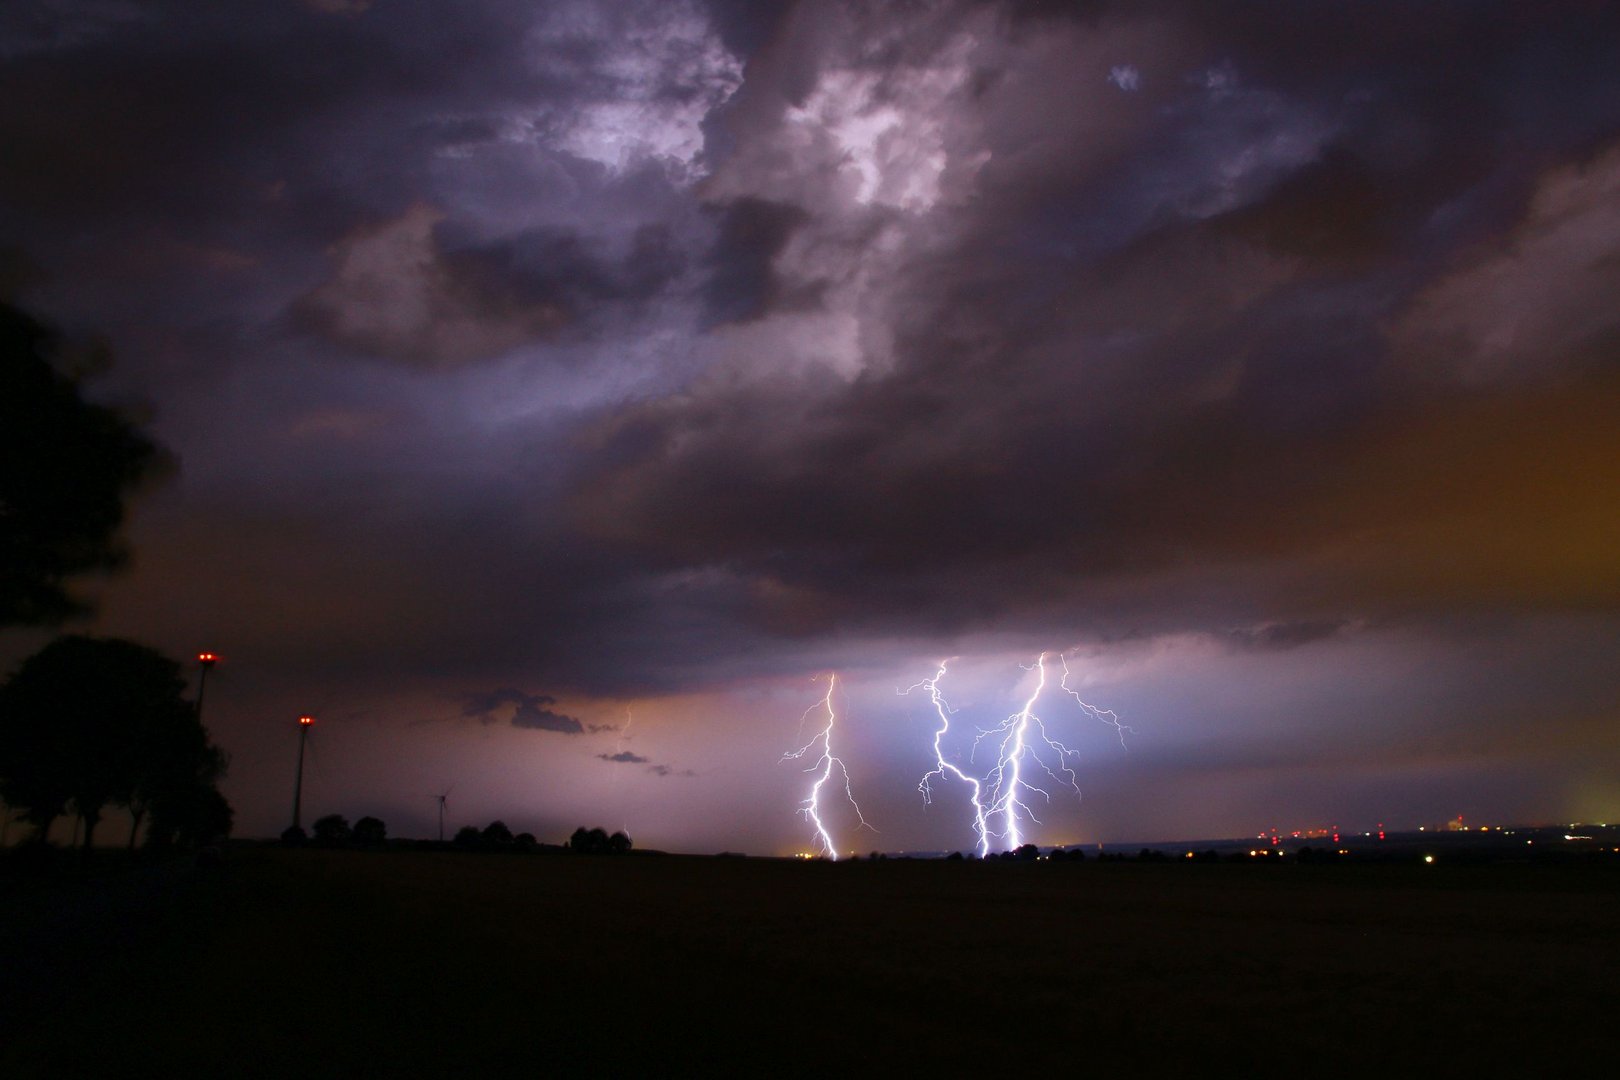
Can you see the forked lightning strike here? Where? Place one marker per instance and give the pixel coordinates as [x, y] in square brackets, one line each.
[825, 763]
[1004, 794]
[942, 767]
[1006, 781]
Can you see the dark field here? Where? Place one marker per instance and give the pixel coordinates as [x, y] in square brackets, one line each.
[345, 963]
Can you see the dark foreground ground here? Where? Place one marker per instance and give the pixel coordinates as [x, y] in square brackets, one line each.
[346, 963]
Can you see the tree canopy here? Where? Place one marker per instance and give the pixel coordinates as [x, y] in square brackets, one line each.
[66, 468]
[89, 722]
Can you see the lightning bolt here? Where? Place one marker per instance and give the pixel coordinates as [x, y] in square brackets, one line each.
[1107, 716]
[825, 763]
[943, 768]
[1020, 741]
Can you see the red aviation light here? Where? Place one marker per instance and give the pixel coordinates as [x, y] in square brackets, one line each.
[305, 721]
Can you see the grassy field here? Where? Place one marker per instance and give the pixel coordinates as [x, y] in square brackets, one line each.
[348, 963]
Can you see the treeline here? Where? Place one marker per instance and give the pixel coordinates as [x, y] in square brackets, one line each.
[334, 831]
[91, 723]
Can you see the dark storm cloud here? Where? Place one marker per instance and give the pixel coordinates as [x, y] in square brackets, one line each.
[1283, 636]
[625, 757]
[752, 232]
[401, 292]
[1213, 394]
[425, 206]
[748, 339]
[528, 711]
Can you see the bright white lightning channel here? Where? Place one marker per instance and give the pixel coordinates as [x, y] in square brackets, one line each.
[943, 768]
[824, 763]
[1019, 740]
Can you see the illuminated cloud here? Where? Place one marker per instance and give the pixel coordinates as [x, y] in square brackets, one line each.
[1534, 301]
[1125, 77]
[651, 73]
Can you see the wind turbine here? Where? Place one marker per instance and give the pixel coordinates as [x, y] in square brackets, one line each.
[441, 799]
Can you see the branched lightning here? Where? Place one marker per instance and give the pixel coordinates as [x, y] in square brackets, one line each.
[1107, 716]
[825, 763]
[1008, 787]
[942, 767]
[1022, 745]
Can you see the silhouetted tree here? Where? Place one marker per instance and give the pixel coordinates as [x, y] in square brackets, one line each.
[1027, 853]
[178, 768]
[468, 837]
[332, 830]
[293, 836]
[193, 817]
[92, 721]
[590, 841]
[525, 841]
[496, 834]
[66, 468]
[370, 832]
[619, 843]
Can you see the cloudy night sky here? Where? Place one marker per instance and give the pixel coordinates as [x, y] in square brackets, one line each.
[561, 392]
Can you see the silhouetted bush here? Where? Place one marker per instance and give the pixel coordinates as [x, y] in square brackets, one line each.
[597, 842]
[189, 816]
[370, 832]
[332, 830]
[293, 836]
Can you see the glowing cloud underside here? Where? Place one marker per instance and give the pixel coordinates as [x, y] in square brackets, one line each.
[825, 763]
